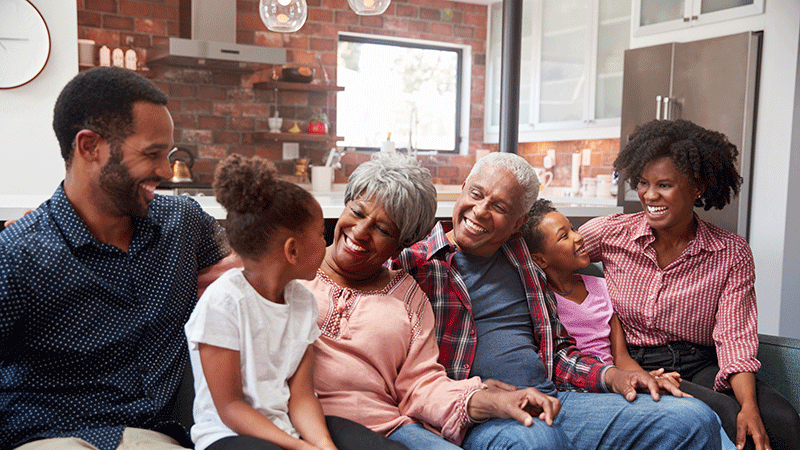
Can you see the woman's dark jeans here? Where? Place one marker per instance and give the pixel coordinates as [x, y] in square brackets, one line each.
[698, 367]
[346, 435]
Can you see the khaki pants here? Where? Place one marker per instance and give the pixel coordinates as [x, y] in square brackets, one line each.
[132, 438]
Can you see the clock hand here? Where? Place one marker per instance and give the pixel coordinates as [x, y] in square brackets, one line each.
[11, 39]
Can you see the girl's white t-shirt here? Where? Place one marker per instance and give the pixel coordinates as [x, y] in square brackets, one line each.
[271, 339]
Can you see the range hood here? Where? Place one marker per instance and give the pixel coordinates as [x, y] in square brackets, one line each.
[208, 40]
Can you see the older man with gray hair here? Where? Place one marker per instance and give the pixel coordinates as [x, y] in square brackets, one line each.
[496, 318]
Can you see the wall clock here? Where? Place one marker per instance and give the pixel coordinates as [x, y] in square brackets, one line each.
[24, 43]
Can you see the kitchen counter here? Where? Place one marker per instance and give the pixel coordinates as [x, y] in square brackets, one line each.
[13, 206]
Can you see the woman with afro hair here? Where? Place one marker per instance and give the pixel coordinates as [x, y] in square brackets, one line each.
[684, 288]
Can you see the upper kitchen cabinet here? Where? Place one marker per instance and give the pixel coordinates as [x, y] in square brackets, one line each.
[659, 16]
[571, 69]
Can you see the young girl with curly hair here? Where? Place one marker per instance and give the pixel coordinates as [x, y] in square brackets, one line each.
[250, 334]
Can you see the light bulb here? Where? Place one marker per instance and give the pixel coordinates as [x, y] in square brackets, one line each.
[369, 7]
[283, 16]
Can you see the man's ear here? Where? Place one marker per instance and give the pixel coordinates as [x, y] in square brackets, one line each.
[86, 145]
[520, 221]
[397, 252]
[291, 250]
[538, 258]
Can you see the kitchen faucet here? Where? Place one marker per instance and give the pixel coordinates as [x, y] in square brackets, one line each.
[413, 122]
[334, 155]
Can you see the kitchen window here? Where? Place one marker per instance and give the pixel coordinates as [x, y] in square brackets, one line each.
[413, 89]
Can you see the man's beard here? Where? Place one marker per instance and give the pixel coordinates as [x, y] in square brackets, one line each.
[123, 191]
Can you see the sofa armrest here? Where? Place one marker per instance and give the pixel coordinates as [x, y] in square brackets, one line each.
[780, 365]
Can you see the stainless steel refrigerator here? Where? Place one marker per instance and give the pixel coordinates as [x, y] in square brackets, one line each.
[713, 83]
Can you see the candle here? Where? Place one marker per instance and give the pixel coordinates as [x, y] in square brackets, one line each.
[131, 59]
[118, 58]
[576, 173]
[105, 56]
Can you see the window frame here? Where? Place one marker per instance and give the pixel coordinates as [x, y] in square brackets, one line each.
[463, 83]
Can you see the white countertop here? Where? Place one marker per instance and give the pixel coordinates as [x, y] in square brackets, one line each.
[13, 206]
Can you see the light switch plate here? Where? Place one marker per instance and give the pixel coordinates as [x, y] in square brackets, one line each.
[587, 157]
[291, 150]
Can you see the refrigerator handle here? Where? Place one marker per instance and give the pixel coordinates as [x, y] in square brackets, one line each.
[658, 107]
[667, 109]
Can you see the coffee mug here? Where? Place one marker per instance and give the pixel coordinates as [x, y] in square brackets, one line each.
[545, 178]
[321, 179]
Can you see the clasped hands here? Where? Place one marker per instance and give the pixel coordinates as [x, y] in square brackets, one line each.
[505, 401]
[628, 382]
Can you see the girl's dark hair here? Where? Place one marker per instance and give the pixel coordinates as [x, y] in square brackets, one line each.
[258, 203]
[530, 229]
[705, 157]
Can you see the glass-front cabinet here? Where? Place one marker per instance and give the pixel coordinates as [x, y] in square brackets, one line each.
[571, 69]
[658, 16]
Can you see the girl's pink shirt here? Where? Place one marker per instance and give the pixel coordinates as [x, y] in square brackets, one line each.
[588, 322]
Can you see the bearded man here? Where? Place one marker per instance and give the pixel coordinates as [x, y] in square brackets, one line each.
[96, 284]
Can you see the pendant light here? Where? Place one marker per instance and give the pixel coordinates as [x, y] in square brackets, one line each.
[369, 7]
[283, 16]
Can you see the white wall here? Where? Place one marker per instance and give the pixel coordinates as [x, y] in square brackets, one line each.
[790, 291]
[31, 161]
[772, 228]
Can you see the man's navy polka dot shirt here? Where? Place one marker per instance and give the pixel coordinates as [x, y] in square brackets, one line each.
[91, 337]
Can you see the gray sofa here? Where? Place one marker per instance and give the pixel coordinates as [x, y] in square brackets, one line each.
[780, 365]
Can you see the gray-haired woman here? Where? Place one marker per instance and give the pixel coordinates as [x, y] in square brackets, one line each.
[376, 360]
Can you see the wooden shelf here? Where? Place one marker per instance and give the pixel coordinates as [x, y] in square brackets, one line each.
[302, 137]
[290, 86]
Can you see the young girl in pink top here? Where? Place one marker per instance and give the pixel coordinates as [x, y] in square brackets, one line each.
[584, 306]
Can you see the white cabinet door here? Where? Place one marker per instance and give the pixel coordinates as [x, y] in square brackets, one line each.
[564, 69]
[570, 69]
[658, 16]
[613, 38]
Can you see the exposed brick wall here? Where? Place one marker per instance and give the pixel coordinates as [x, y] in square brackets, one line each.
[217, 113]
[604, 152]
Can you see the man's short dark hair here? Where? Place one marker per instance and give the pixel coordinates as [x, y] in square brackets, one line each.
[101, 99]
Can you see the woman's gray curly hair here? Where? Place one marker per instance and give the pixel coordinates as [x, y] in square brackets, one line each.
[403, 187]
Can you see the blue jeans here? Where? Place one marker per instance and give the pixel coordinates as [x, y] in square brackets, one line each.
[606, 421]
[417, 437]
